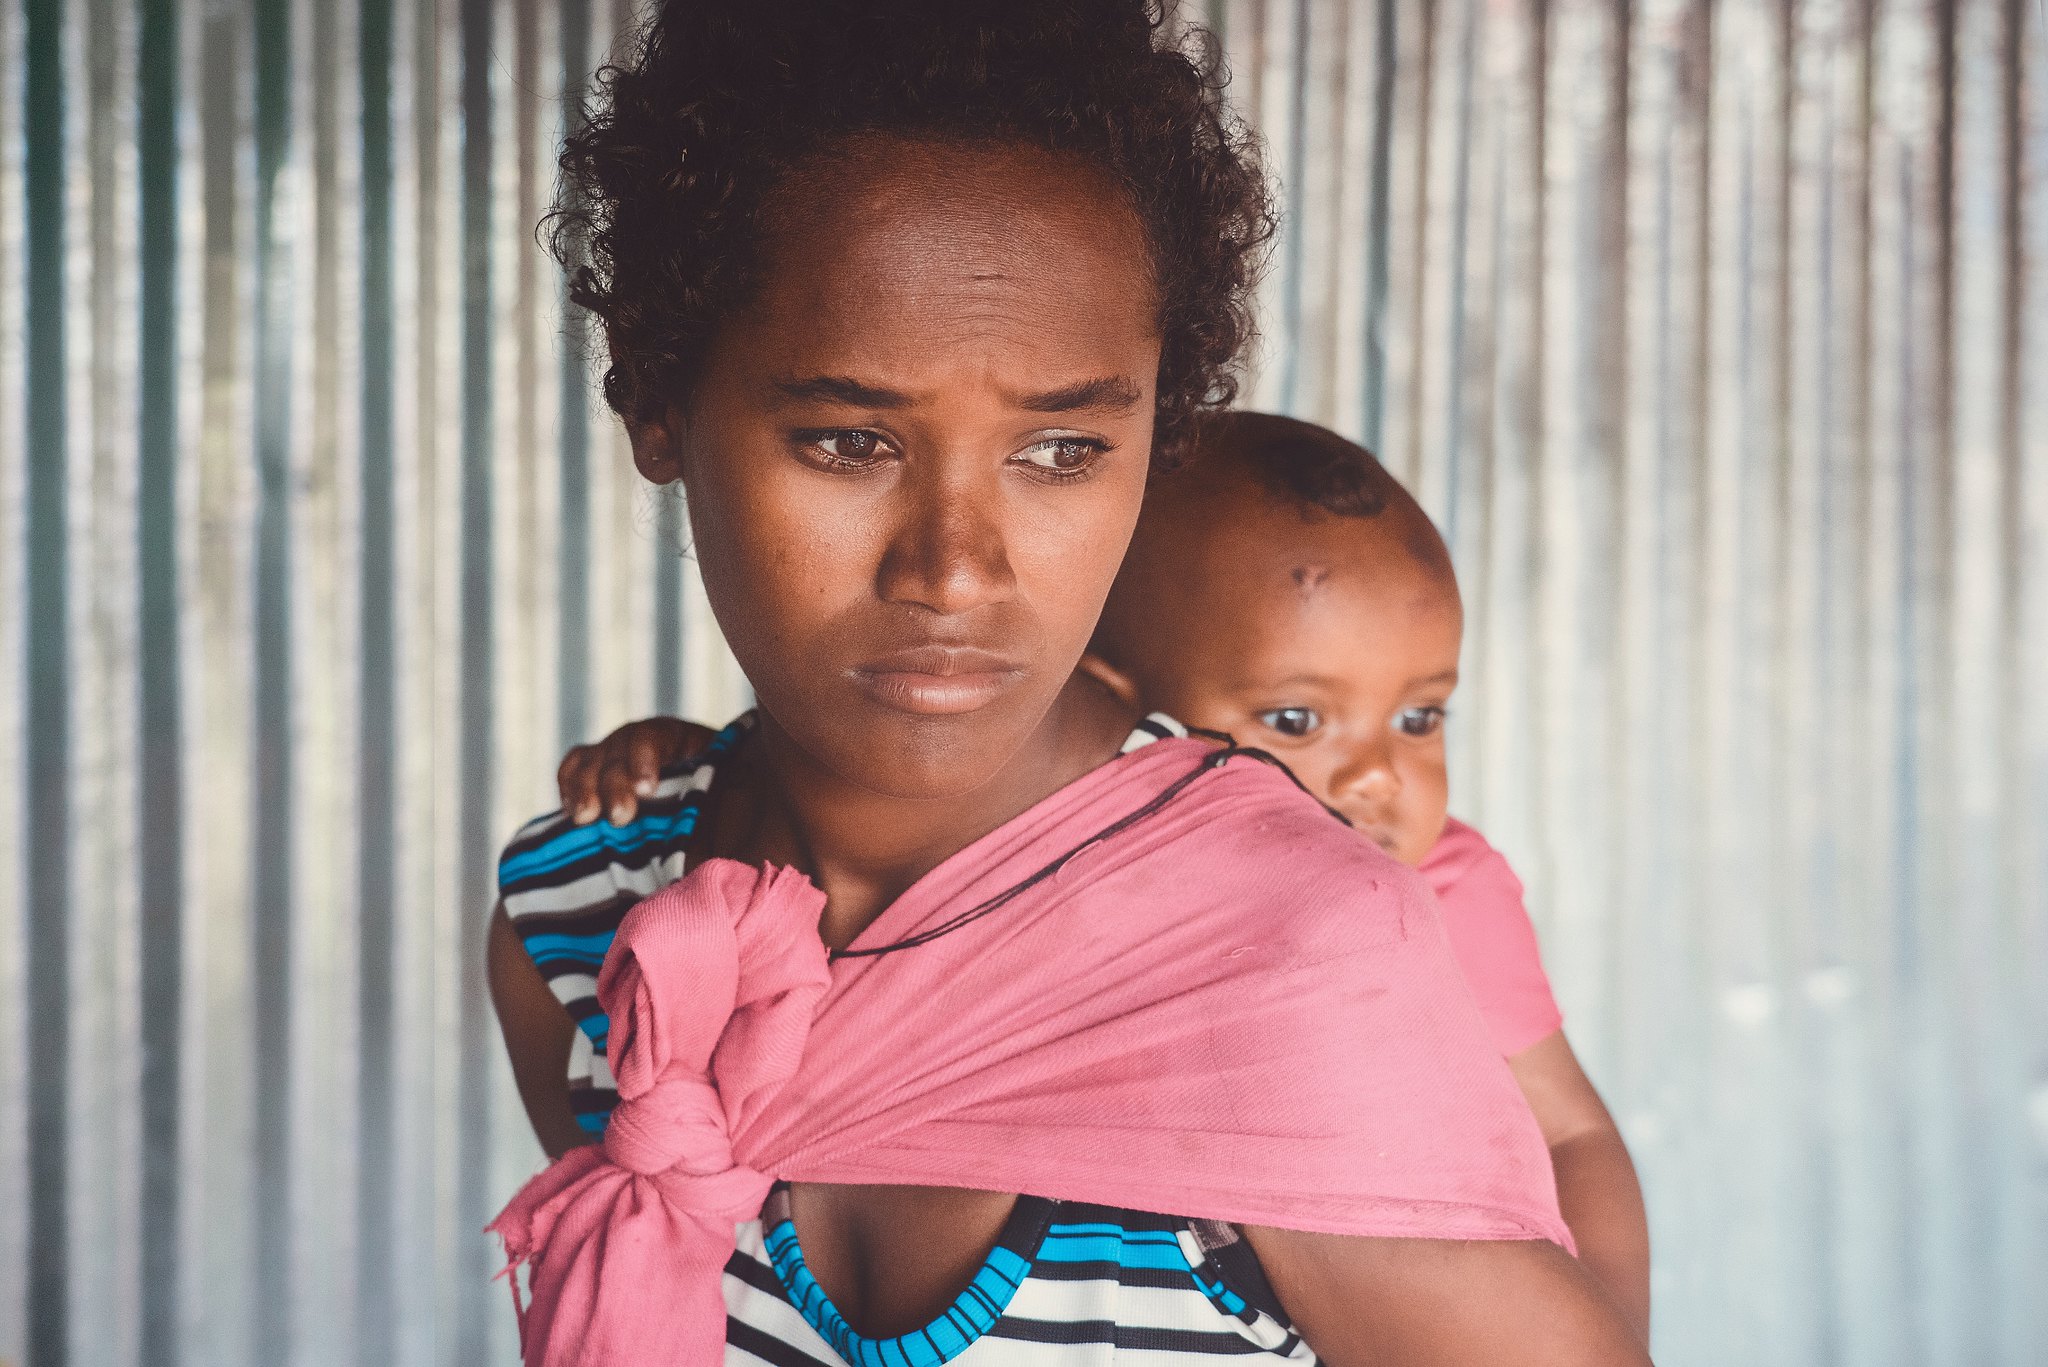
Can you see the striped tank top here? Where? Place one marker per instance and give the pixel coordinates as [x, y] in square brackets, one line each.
[1066, 1284]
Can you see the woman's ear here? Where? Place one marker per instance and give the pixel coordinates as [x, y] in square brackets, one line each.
[658, 447]
[1110, 677]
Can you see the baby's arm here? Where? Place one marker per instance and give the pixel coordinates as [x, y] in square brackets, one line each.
[611, 777]
[1596, 1181]
[538, 1034]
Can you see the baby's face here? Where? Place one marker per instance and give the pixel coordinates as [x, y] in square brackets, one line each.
[1326, 647]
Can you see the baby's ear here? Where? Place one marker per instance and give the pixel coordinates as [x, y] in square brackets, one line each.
[1110, 677]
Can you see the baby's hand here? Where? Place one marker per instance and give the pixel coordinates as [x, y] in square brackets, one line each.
[613, 775]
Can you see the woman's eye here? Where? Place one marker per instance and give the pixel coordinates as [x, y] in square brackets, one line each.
[1291, 721]
[1061, 455]
[847, 448]
[1419, 721]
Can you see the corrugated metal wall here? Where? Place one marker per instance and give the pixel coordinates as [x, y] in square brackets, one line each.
[1716, 335]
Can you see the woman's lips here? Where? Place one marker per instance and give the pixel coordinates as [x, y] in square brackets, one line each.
[937, 680]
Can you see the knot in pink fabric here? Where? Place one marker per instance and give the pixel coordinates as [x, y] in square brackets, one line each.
[677, 1122]
[710, 987]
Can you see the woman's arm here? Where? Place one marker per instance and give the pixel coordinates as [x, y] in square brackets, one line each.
[538, 1034]
[1443, 1303]
[1596, 1183]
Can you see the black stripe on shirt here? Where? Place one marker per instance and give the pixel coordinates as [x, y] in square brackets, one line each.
[1129, 1221]
[1237, 1267]
[1155, 1278]
[595, 918]
[596, 861]
[756, 1274]
[1126, 1338]
[756, 1343]
[593, 1100]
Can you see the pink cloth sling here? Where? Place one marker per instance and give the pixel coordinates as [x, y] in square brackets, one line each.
[1492, 937]
[1234, 1009]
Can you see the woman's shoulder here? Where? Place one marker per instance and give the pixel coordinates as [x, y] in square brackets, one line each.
[1242, 832]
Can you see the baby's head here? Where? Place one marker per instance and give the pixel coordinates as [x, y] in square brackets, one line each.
[1283, 587]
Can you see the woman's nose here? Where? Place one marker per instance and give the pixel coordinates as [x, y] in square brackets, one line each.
[948, 552]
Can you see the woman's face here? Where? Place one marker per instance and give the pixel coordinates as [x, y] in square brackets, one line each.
[915, 460]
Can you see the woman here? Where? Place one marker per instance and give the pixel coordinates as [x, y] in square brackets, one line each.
[908, 295]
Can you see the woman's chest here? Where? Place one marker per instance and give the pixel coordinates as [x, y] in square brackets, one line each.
[1063, 1285]
[893, 1257]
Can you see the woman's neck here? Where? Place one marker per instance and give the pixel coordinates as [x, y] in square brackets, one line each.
[865, 848]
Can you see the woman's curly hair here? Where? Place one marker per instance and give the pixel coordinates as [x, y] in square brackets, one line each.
[659, 219]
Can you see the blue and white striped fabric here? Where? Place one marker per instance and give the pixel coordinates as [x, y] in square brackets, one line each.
[1065, 1285]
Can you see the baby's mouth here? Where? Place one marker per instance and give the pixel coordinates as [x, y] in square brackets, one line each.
[1378, 835]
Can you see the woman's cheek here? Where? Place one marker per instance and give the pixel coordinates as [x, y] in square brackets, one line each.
[1075, 550]
[753, 563]
[788, 540]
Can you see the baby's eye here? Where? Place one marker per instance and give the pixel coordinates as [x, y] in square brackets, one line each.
[1419, 721]
[1061, 455]
[1291, 721]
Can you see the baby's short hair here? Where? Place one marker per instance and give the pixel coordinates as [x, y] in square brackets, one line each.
[1298, 461]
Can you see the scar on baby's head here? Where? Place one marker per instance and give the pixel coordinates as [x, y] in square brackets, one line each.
[1309, 578]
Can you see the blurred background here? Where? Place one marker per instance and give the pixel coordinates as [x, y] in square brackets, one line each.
[1715, 336]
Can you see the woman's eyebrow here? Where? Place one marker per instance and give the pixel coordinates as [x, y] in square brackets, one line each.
[1105, 394]
[840, 389]
[1108, 394]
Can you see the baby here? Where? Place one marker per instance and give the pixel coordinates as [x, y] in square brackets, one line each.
[1291, 593]
[1287, 590]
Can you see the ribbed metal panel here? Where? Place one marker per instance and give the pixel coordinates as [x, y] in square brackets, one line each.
[319, 547]
[1715, 335]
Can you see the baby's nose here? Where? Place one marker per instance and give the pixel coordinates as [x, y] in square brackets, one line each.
[1368, 780]
[1380, 783]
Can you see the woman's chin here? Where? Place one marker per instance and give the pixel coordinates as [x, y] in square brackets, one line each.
[926, 754]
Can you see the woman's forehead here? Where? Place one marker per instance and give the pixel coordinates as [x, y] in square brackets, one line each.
[982, 225]
[1025, 282]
